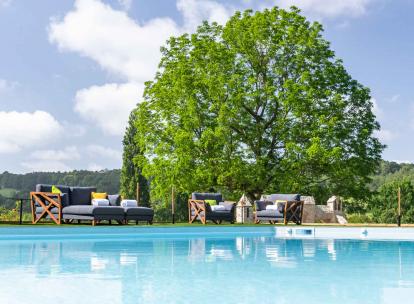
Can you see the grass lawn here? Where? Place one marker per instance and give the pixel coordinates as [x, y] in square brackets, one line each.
[8, 192]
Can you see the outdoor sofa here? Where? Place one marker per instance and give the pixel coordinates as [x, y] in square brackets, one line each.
[74, 203]
[200, 209]
[285, 208]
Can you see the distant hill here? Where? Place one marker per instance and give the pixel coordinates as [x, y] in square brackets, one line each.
[390, 172]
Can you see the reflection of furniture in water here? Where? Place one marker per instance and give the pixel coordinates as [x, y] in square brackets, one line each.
[204, 248]
[284, 253]
[196, 249]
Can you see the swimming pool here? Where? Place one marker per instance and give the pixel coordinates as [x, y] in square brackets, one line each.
[200, 265]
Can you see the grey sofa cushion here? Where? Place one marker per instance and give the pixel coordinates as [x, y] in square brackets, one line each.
[207, 196]
[114, 199]
[269, 213]
[78, 209]
[281, 197]
[81, 195]
[48, 188]
[138, 211]
[92, 210]
[54, 210]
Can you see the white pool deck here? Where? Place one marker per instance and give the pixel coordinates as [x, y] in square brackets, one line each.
[363, 233]
[290, 232]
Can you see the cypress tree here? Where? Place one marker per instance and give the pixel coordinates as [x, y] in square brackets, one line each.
[131, 174]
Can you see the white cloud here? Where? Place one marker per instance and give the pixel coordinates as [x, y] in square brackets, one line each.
[74, 130]
[68, 153]
[95, 167]
[116, 42]
[20, 130]
[97, 150]
[123, 47]
[109, 105]
[194, 12]
[329, 8]
[403, 161]
[378, 112]
[51, 160]
[45, 166]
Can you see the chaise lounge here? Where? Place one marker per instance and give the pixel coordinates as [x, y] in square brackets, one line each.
[74, 203]
[279, 208]
[199, 208]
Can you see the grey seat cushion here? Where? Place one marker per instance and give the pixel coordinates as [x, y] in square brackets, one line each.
[81, 195]
[269, 213]
[92, 210]
[130, 211]
[207, 196]
[54, 210]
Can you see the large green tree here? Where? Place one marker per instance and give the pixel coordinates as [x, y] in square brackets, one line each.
[131, 174]
[258, 105]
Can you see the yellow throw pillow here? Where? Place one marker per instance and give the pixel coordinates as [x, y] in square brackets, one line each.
[56, 190]
[99, 195]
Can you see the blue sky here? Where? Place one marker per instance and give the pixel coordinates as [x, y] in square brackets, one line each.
[71, 71]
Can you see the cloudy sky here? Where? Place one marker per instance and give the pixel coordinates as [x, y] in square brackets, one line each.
[71, 71]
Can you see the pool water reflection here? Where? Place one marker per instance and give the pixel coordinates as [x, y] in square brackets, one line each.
[247, 269]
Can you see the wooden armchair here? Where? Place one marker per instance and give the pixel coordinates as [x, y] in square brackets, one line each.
[47, 202]
[290, 209]
[199, 209]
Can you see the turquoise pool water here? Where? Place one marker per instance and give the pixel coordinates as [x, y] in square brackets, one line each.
[200, 265]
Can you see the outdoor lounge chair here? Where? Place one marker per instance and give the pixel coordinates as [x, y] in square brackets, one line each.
[289, 209]
[75, 204]
[199, 209]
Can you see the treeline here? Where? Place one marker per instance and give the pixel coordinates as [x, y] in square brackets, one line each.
[380, 204]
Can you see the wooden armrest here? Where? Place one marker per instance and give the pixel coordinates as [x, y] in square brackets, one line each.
[45, 193]
[47, 196]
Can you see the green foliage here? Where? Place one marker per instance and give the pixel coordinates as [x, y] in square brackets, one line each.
[13, 215]
[384, 204]
[391, 171]
[259, 105]
[358, 218]
[131, 173]
[162, 208]
[380, 205]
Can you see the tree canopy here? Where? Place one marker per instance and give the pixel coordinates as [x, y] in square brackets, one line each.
[258, 105]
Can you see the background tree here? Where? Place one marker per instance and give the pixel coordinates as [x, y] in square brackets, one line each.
[258, 105]
[131, 173]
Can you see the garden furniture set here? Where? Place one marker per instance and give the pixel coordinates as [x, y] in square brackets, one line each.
[272, 208]
[75, 203]
[79, 204]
